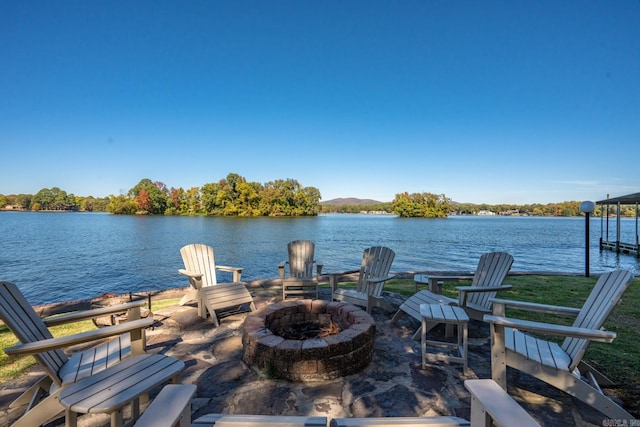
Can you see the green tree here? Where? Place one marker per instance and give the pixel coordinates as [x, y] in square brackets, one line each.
[54, 199]
[421, 205]
[23, 200]
[248, 198]
[91, 204]
[282, 197]
[44, 199]
[209, 198]
[121, 205]
[192, 202]
[62, 200]
[309, 198]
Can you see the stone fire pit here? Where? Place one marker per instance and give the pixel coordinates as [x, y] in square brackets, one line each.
[344, 345]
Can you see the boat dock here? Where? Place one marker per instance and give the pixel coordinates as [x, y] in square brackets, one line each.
[618, 203]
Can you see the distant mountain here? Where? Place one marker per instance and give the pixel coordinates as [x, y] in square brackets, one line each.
[350, 201]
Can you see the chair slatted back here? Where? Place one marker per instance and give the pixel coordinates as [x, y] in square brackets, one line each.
[376, 263]
[199, 258]
[301, 253]
[603, 298]
[492, 270]
[22, 319]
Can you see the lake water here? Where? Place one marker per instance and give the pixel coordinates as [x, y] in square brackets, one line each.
[66, 256]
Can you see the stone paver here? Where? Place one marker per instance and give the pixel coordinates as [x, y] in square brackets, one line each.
[393, 384]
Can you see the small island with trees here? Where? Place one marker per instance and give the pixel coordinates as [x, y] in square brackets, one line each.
[235, 196]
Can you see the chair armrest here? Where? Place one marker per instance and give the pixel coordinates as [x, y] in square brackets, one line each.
[483, 288]
[435, 282]
[499, 306]
[190, 274]
[229, 269]
[333, 278]
[92, 314]
[281, 268]
[465, 290]
[380, 279]
[237, 271]
[82, 337]
[456, 277]
[343, 273]
[172, 405]
[487, 397]
[551, 329]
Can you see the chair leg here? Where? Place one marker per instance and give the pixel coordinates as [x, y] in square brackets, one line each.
[397, 316]
[47, 409]
[190, 295]
[380, 302]
[583, 391]
[32, 395]
[601, 379]
[498, 356]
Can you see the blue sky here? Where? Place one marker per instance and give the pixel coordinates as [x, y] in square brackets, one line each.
[483, 101]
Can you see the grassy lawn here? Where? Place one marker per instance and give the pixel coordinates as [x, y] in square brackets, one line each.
[618, 360]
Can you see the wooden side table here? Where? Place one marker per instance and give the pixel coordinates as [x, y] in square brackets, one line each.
[448, 314]
[115, 387]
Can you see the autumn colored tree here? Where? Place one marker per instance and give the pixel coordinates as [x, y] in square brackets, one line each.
[157, 194]
[143, 201]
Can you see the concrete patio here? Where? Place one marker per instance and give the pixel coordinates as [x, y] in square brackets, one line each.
[394, 384]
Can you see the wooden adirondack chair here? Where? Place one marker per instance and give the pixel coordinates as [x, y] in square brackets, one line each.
[35, 339]
[374, 272]
[301, 281]
[200, 268]
[475, 299]
[490, 406]
[560, 365]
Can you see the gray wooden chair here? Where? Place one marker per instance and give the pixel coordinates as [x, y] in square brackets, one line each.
[373, 273]
[475, 299]
[41, 399]
[200, 267]
[560, 365]
[301, 281]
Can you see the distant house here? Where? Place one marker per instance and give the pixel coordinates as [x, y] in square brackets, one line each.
[485, 213]
[13, 208]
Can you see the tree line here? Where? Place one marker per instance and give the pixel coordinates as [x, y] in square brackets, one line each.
[419, 204]
[231, 196]
[235, 196]
[53, 199]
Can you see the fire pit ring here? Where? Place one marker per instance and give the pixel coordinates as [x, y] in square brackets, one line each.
[312, 359]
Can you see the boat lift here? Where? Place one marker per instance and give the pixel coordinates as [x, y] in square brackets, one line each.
[617, 245]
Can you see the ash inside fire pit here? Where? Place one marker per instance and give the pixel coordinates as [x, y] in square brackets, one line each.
[324, 327]
[308, 340]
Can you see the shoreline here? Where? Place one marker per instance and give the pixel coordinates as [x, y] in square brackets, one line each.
[59, 307]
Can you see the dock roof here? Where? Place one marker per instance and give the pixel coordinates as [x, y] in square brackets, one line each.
[629, 199]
